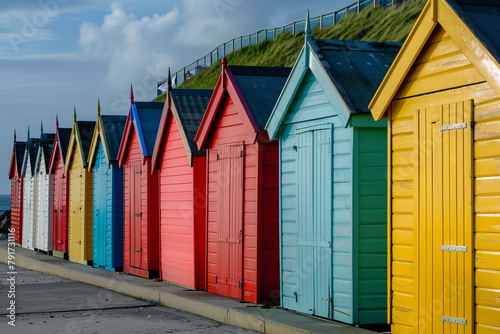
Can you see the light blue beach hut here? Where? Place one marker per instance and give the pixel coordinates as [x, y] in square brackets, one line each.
[107, 206]
[333, 181]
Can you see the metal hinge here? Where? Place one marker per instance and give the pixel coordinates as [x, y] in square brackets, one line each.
[138, 250]
[454, 126]
[241, 285]
[454, 248]
[454, 320]
[216, 279]
[139, 171]
[138, 214]
[217, 156]
[239, 236]
[241, 153]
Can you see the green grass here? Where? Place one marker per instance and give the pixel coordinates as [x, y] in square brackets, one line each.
[372, 24]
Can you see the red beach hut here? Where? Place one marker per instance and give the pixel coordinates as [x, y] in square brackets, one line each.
[242, 196]
[16, 190]
[182, 169]
[141, 225]
[61, 192]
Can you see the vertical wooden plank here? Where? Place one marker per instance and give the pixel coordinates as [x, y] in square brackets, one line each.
[437, 220]
[422, 224]
[469, 216]
[418, 145]
[447, 230]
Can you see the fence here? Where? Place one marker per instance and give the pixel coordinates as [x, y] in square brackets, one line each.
[323, 21]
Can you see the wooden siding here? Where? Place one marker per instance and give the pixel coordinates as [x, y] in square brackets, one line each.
[228, 128]
[148, 201]
[310, 108]
[370, 223]
[80, 210]
[45, 185]
[182, 212]
[440, 58]
[16, 205]
[107, 213]
[29, 206]
[405, 237]
[60, 218]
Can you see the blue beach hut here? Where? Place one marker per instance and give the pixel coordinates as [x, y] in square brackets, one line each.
[333, 181]
[107, 205]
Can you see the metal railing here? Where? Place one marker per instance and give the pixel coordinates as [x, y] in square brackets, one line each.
[323, 21]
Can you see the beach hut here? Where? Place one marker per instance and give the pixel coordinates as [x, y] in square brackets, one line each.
[61, 192]
[182, 169]
[242, 183]
[30, 192]
[333, 183]
[16, 189]
[141, 221]
[107, 192]
[45, 187]
[80, 192]
[441, 98]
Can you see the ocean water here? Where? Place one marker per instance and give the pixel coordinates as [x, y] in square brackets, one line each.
[4, 203]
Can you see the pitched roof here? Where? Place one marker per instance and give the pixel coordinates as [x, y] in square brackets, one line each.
[472, 25]
[46, 145]
[349, 72]
[81, 136]
[254, 91]
[144, 117]
[113, 129]
[17, 158]
[260, 87]
[61, 143]
[32, 150]
[187, 107]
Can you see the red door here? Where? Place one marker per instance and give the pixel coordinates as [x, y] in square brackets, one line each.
[136, 215]
[58, 230]
[230, 221]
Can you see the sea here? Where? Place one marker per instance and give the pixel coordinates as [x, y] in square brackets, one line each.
[4, 203]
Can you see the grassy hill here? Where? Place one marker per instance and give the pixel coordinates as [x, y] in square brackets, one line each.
[372, 24]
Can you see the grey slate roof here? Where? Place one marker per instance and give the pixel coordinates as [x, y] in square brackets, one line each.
[356, 68]
[64, 136]
[113, 130]
[261, 87]
[32, 148]
[483, 18]
[86, 132]
[20, 149]
[149, 114]
[191, 105]
[47, 143]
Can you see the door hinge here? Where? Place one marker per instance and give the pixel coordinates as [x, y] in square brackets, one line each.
[454, 320]
[241, 154]
[454, 126]
[296, 297]
[138, 214]
[139, 171]
[239, 236]
[138, 250]
[216, 279]
[454, 248]
[217, 156]
[241, 285]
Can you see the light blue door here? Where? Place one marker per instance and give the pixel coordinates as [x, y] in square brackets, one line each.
[314, 205]
[99, 214]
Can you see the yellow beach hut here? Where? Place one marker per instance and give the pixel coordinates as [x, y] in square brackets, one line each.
[80, 192]
[441, 97]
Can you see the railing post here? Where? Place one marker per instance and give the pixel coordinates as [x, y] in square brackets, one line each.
[257, 38]
[374, 3]
[274, 34]
[293, 28]
[358, 6]
[232, 45]
[321, 22]
[334, 16]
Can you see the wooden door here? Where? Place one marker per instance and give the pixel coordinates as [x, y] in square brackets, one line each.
[100, 206]
[135, 215]
[230, 221]
[314, 230]
[445, 220]
[58, 211]
[75, 226]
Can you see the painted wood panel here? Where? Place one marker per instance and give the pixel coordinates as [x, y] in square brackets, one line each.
[29, 205]
[16, 204]
[80, 210]
[60, 205]
[141, 213]
[182, 211]
[107, 213]
[45, 185]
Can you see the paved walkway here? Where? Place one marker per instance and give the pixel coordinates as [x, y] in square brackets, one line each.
[222, 309]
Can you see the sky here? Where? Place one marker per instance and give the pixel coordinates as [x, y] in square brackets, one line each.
[59, 54]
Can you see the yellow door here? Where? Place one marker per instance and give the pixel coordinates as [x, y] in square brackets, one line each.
[75, 223]
[445, 189]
